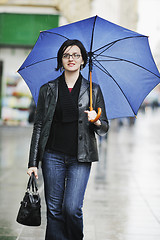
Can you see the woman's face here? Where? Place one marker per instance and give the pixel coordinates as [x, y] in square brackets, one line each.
[72, 59]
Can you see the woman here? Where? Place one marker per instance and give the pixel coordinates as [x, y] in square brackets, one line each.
[64, 140]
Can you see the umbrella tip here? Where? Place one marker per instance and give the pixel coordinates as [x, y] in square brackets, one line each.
[135, 116]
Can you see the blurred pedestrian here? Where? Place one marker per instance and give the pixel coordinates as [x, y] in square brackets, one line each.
[64, 140]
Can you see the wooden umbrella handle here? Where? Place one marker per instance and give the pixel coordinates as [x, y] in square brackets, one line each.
[98, 115]
[91, 107]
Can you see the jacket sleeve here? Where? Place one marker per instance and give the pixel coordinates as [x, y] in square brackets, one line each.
[103, 128]
[39, 115]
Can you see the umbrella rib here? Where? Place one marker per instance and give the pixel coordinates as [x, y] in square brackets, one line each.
[37, 63]
[108, 60]
[106, 72]
[112, 43]
[103, 69]
[107, 47]
[124, 60]
[56, 34]
[93, 33]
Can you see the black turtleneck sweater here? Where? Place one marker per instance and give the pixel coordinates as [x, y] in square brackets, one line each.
[64, 129]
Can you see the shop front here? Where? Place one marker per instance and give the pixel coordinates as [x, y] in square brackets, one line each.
[18, 34]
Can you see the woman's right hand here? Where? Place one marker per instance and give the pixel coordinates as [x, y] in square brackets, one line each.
[33, 170]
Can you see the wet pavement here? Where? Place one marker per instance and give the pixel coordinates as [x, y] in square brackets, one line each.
[123, 196]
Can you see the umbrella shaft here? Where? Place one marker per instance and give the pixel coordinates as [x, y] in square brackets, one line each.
[90, 75]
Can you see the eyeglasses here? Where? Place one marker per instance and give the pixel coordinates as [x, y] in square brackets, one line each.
[74, 56]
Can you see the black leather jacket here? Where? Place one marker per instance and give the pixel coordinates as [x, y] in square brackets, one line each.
[87, 146]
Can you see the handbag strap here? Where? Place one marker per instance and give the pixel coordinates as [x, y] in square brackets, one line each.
[32, 182]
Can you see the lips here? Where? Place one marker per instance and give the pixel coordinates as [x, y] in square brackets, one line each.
[71, 64]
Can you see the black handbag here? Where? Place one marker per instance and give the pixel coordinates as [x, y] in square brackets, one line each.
[29, 213]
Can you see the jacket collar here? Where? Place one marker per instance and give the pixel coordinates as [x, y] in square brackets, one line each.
[53, 87]
[84, 87]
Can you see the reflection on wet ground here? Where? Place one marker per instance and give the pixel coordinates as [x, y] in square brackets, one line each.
[123, 196]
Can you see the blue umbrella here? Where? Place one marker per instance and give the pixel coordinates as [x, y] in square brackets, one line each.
[120, 61]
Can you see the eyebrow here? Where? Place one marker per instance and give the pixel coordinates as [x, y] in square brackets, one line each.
[72, 53]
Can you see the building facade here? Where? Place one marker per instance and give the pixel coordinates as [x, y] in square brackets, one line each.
[121, 12]
[20, 24]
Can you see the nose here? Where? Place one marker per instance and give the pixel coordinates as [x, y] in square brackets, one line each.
[70, 56]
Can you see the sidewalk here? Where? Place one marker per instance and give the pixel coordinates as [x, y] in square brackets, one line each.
[123, 196]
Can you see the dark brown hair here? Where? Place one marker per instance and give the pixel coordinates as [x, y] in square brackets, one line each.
[65, 45]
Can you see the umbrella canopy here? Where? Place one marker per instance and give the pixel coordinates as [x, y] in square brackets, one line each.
[120, 60]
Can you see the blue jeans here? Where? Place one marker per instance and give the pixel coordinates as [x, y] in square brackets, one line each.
[65, 181]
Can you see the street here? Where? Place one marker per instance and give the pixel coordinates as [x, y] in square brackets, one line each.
[122, 201]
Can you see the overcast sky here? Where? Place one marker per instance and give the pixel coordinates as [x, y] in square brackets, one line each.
[149, 21]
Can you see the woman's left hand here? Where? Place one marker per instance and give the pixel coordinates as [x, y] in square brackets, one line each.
[92, 115]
